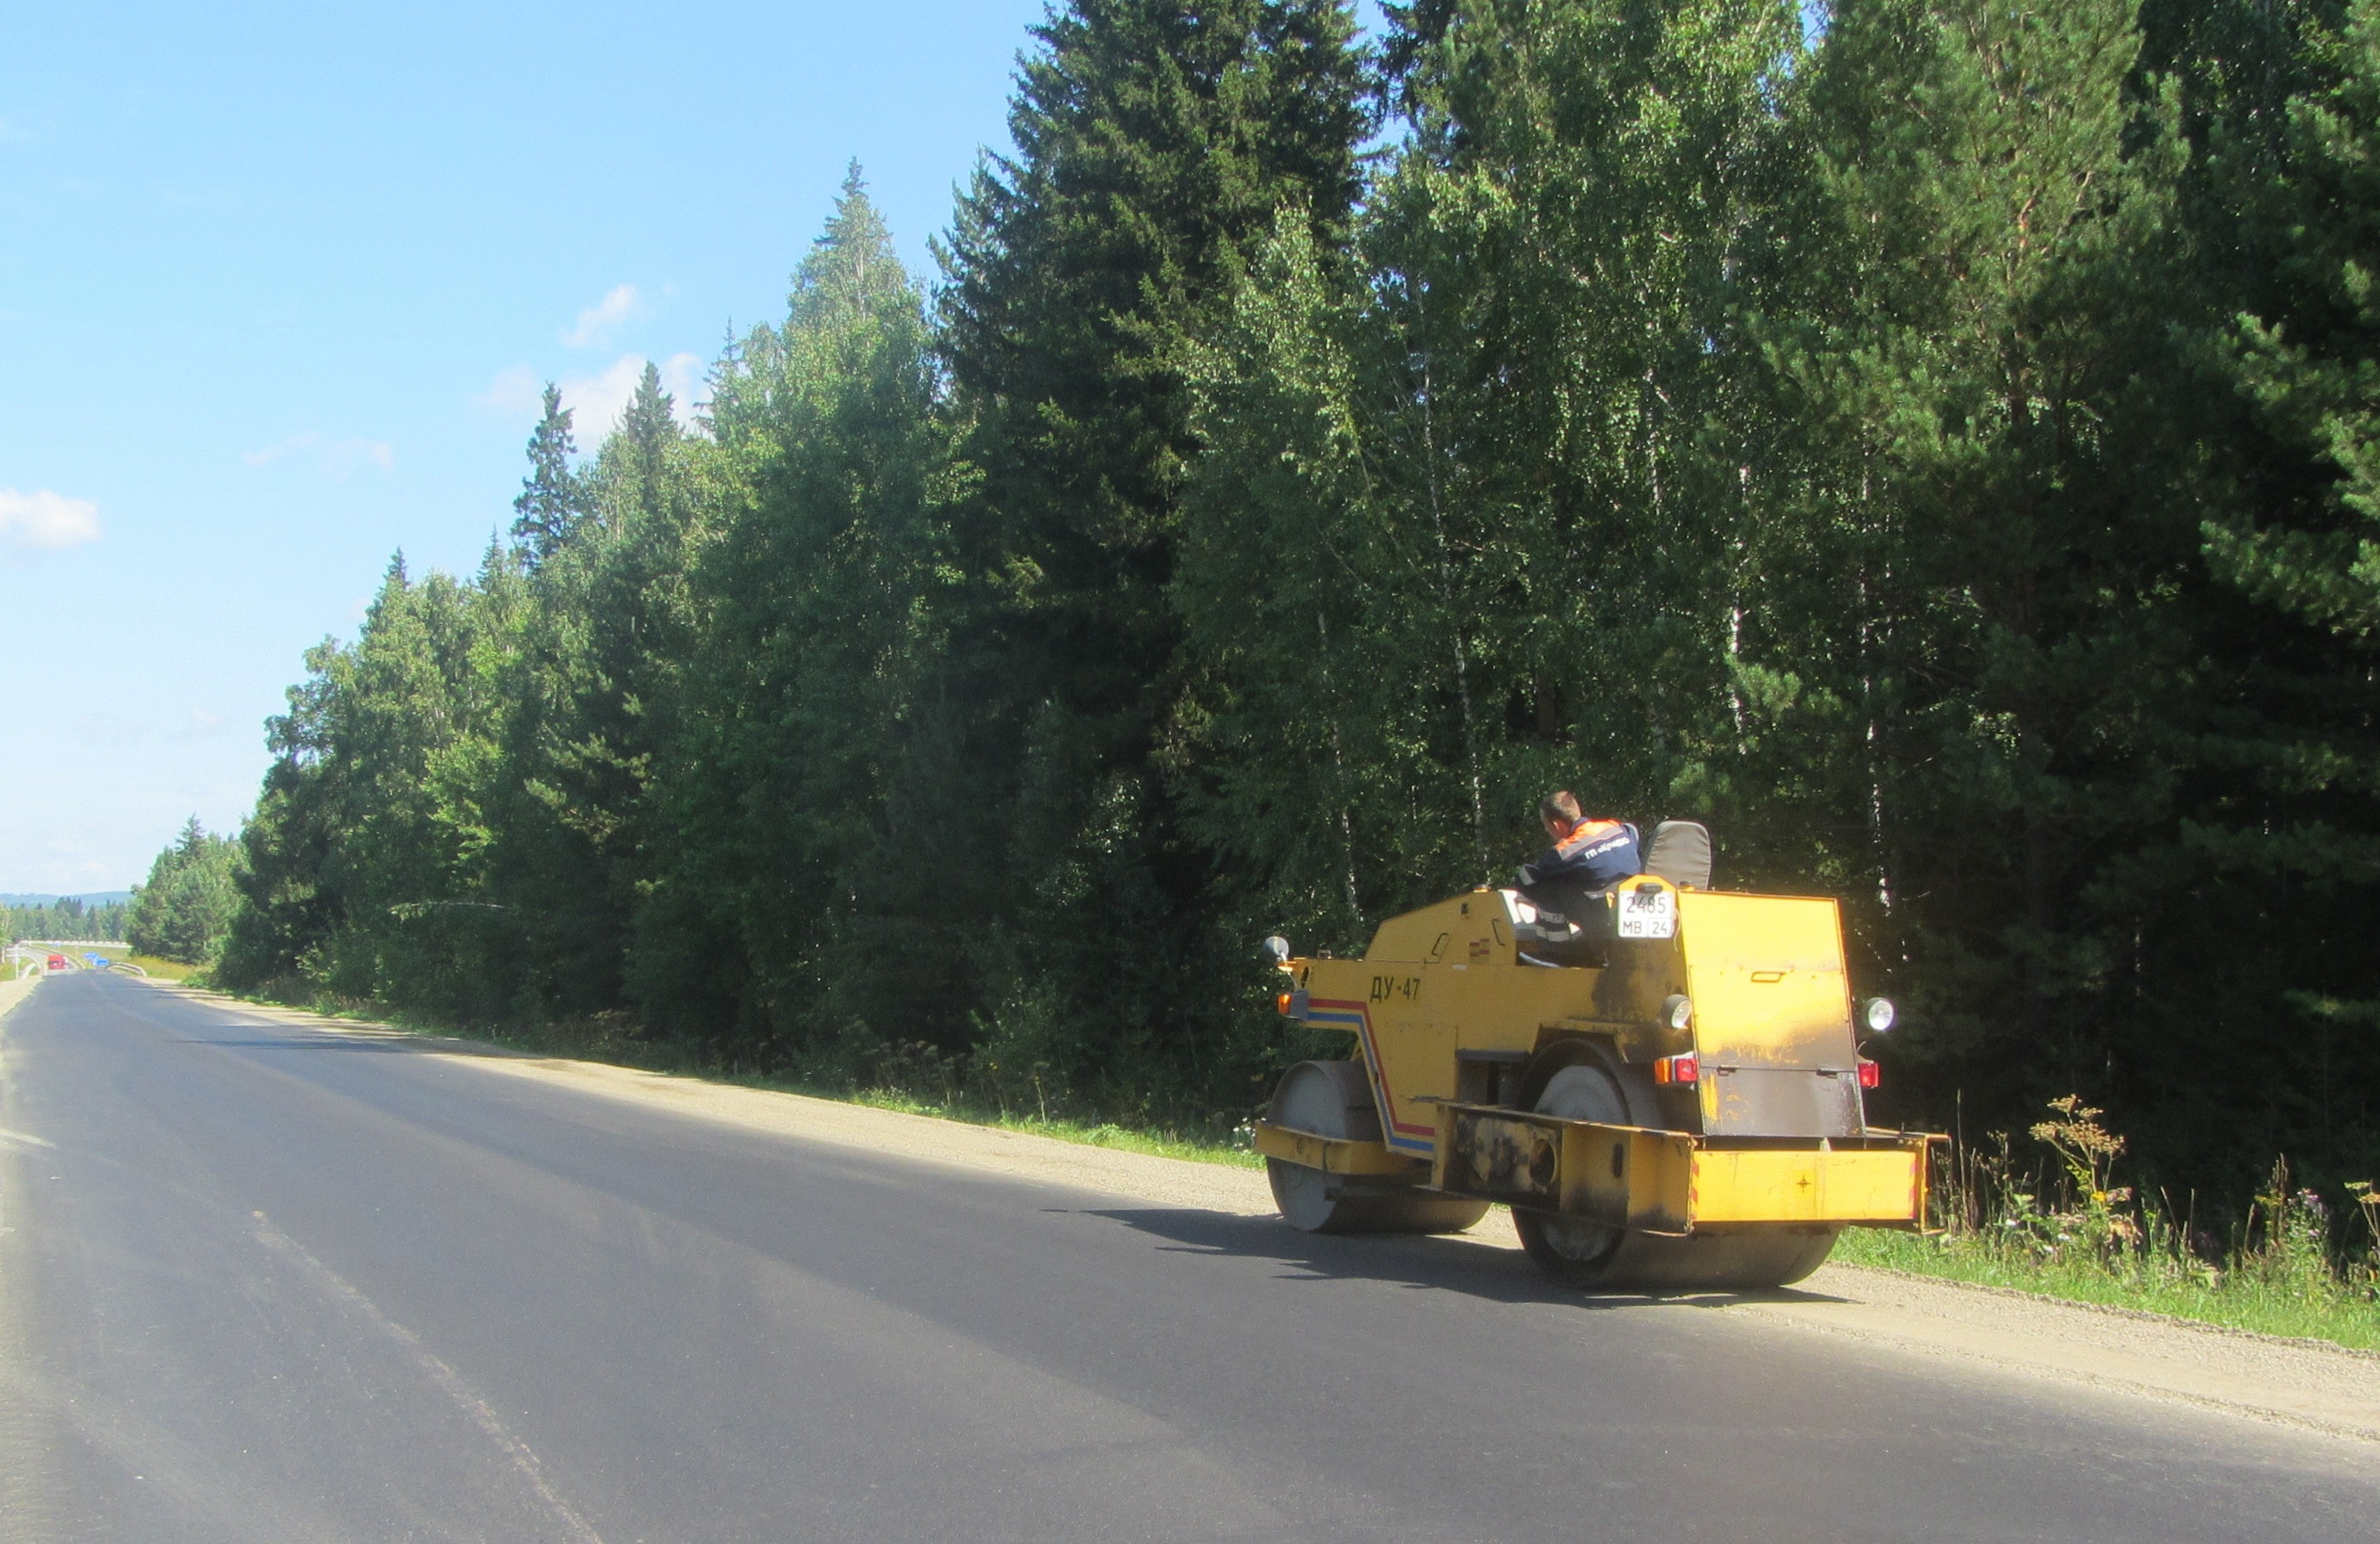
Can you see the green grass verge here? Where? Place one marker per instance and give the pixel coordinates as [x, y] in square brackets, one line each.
[164, 971]
[1157, 1144]
[2238, 1300]
[616, 1051]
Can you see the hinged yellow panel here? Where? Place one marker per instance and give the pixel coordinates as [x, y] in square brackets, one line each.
[1768, 1186]
[1766, 973]
[1668, 1182]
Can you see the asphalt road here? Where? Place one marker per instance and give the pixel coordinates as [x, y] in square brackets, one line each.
[259, 1283]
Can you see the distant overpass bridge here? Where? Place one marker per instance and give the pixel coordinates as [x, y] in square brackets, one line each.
[35, 953]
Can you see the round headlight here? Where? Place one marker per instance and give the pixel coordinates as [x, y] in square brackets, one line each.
[1678, 1012]
[1278, 947]
[1879, 1014]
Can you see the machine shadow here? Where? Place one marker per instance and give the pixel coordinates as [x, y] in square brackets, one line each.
[1443, 1262]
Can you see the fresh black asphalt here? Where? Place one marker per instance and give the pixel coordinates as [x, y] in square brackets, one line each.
[259, 1283]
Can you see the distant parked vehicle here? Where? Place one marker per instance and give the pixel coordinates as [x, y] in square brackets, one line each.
[57, 962]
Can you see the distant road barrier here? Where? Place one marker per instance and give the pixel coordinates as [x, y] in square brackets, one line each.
[35, 952]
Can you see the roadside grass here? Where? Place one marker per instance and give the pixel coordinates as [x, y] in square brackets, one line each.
[608, 1040]
[2296, 1266]
[163, 969]
[1106, 1134]
[2299, 1310]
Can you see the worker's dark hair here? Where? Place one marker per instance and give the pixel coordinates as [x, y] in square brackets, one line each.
[1560, 805]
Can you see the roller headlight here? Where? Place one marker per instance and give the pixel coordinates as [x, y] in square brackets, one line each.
[1678, 1012]
[1879, 1014]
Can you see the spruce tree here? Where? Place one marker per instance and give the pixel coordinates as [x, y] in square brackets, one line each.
[1993, 487]
[1156, 141]
[648, 427]
[2284, 841]
[187, 908]
[801, 706]
[551, 498]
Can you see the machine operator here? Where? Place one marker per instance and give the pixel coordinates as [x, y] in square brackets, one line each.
[1589, 855]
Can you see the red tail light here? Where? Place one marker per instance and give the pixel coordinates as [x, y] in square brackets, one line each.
[1870, 1073]
[1684, 1067]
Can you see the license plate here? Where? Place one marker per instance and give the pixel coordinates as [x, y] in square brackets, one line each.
[1651, 912]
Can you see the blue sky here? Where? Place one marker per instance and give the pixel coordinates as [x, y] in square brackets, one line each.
[278, 286]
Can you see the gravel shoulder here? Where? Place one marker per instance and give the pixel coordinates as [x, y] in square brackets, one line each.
[2302, 1383]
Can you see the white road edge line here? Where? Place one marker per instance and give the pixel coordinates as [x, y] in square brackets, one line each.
[449, 1382]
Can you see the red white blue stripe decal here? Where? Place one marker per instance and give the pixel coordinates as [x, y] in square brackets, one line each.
[1358, 1018]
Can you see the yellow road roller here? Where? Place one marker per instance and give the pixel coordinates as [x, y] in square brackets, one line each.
[1663, 1081]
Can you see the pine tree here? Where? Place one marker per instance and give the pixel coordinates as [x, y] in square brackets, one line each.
[2283, 407]
[2310, 363]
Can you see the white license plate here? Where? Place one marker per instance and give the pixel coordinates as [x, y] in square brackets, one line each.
[1648, 913]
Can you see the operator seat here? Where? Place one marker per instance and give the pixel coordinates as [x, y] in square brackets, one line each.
[1681, 853]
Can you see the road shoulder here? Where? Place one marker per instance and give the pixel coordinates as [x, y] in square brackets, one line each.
[2304, 1383]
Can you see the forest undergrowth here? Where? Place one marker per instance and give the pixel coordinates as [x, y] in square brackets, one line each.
[914, 1078]
[2056, 1221]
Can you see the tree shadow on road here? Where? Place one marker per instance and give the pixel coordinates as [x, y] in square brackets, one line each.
[1449, 1262]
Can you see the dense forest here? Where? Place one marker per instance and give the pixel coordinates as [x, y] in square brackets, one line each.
[1935, 443]
[185, 910]
[68, 917]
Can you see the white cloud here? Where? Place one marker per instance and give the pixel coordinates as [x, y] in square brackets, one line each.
[45, 522]
[112, 731]
[109, 731]
[341, 456]
[596, 401]
[335, 457]
[682, 377]
[598, 322]
[202, 725]
[518, 392]
[271, 454]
